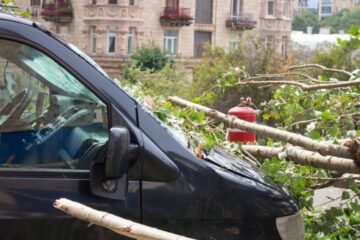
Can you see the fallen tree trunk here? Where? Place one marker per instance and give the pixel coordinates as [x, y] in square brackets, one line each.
[281, 135]
[117, 224]
[305, 157]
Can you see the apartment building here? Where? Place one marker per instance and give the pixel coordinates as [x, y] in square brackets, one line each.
[328, 7]
[111, 30]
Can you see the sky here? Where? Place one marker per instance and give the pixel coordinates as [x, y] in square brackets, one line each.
[313, 3]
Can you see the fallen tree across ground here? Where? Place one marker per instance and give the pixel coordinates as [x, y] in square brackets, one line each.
[117, 224]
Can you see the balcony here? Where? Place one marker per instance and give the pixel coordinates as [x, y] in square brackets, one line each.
[176, 17]
[58, 11]
[240, 22]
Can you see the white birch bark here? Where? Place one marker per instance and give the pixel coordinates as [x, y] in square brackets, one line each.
[288, 137]
[117, 224]
[304, 157]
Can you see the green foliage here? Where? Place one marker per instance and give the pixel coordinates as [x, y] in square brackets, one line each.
[322, 115]
[170, 80]
[10, 7]
[304, 20]
[341, 55]
[150, 58]
[219, 69]
[342, 20]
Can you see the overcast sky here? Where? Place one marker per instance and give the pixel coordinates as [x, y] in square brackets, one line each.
[313, 3]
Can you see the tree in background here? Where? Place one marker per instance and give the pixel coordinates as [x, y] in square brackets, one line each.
[220, 68]
[151, 58]
[342, 20]
[304, 20]
[341, 56]
[155, 73]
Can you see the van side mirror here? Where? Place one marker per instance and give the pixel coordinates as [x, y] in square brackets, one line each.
[109, 179]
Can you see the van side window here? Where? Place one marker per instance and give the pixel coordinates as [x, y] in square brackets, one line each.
[48, 119]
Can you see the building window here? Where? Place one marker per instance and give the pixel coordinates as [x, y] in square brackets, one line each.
[93, 2]
[171, 42]
[204, 11]
[35, 2]
[233, 45]
[93, 39]
[284, 47]
[270, 8]
[112, 1]
[111, 40]
[237, 7]
[200, 40]
[131, 39]
[269, 41]
[131, 2]
[326, 10]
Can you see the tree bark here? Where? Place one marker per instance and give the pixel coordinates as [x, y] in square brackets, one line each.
[281, 135]
[302, 86]
[305, 157]
[117, 224]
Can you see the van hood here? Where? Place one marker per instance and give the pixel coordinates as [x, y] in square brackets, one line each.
[229, 162]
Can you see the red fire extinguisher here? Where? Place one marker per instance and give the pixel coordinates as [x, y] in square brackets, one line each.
[246, 112]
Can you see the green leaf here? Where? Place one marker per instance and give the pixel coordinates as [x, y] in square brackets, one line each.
[325, 115]
[345, 195]
[334, 131]
[266, 116]
[315, 135]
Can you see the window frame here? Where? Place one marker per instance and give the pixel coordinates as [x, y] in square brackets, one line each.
[111, 33]
[53, 172]
[272, 3]
[171, 41]
[93, 38]
[131, 40]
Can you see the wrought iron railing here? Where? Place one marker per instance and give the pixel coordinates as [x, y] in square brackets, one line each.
[241, 21]
[171, 13]
[57, 9]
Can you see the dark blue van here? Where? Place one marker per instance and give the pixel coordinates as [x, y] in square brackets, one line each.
[66, 130]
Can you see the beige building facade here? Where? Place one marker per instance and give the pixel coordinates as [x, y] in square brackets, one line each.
[111, 30]
[329, 7]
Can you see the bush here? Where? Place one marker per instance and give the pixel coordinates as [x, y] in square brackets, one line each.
[304, 20]
[150, 58]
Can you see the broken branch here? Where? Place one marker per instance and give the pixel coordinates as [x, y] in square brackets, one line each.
[302, 86]
[281, 135]
[304, 157]
[334, 70]
[117, 224]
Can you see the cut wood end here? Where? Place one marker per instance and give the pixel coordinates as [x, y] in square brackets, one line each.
[61, 204]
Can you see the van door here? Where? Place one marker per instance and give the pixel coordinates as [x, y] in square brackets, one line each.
[52, 129]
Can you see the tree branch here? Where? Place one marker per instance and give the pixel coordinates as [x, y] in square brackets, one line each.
[334, 70]
[302, 86]
[281, 135]
[117, 224]
[305, 157]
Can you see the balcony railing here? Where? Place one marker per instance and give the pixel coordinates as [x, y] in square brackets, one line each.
[176, 17]
[241, 21]
[59, 11]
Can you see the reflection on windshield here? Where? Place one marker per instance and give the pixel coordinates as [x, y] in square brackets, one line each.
[54, 74]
